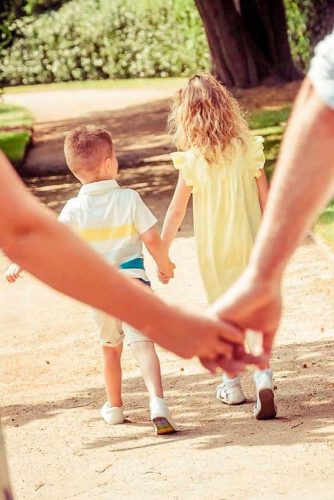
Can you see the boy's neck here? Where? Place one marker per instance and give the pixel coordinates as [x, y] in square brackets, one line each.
[97, 179]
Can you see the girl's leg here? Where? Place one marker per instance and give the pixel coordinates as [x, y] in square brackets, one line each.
[111, 358]
[146, 357]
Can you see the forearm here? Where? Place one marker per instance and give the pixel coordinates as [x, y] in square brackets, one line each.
[158, 251]
[31, 236]
[302, 184]
[56, 256]
[171, 226]
[262, 187]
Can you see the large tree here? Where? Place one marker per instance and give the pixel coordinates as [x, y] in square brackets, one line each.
[248, 41]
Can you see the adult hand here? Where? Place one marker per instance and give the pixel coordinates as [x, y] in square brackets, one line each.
[252, 303]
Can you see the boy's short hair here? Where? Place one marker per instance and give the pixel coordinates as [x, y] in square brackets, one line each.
[87, 146]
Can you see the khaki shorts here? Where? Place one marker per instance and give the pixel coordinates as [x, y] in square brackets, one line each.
[112, 331]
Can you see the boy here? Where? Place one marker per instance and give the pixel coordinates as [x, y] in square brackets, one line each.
[115, 222]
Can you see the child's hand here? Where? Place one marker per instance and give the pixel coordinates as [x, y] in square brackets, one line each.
[13, 272]
[165, 275]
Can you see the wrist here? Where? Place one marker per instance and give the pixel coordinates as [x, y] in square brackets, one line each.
[262, 275]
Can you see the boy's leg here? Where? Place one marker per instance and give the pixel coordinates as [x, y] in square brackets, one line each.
[112, 372]
[148, 361]
[146, 356]
[111, 338]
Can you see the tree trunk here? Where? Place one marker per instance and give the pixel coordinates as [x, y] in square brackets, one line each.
[248, 41]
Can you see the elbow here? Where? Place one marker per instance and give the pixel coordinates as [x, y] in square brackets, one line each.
[176, 214]
[17, 230]
[152, 241]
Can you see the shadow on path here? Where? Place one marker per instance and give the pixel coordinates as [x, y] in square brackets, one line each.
[305, 415]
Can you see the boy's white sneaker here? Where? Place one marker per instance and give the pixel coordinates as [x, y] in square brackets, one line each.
[161, 418]
[265, 403]
[113, 415]
[230, 391]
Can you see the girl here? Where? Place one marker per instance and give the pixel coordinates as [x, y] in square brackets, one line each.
[221, 164]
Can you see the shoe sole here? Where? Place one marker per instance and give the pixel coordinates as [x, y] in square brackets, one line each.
[232, 404]
[267, 410]
[163, 426]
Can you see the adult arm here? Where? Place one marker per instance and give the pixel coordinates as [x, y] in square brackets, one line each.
[31, 236]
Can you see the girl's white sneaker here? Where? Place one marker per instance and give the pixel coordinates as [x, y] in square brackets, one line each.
[161, 418]
[113, 415]
[265, 403]
[230, 391]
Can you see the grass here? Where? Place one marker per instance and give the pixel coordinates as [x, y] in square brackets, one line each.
[14, 144]
[135, 83]
[270, 123]
[15, 131]
[14, 116]
[324, 227]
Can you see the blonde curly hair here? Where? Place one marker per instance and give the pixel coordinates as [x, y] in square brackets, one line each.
[205, 116]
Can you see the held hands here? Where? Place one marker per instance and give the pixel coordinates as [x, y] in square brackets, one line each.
[252, 303]
[166, 274]
[13, 273]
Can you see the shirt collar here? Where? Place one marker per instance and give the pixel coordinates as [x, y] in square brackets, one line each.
[99, 187]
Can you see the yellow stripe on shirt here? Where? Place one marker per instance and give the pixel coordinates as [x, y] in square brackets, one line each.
[108, 233]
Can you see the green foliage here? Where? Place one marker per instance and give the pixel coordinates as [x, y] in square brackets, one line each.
[324, 227]
[97, 39]
[14, 116]
[66, 40]
[270, 123]
[15, 131]
[15, 9]
[308, 22]
[269, 118]
[14, 144]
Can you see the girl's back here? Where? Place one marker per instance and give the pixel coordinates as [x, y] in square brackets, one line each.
[226, 209]
[219, 163]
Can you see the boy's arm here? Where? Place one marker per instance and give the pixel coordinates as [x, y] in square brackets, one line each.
[176, 212]
[157, 249]
[14, 271]
[263, 188]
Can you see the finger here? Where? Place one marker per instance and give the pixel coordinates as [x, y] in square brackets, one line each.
[224, 349]
[250, 359]
[267, 343]
[232, 333]
[221, 362]
[209, 364]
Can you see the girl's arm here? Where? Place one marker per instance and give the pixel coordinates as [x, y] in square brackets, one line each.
[157, 249]
[176, 212]
[263, 188]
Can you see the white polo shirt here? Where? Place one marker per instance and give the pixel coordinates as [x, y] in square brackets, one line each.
[111, 219]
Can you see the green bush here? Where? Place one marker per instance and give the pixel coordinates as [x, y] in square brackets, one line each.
[14, 9]
[64, 40]
[308, 22]
[93, 39]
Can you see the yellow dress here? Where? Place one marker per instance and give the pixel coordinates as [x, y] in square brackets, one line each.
[226, 210]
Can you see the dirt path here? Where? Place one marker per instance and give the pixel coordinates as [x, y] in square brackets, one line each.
[51, 392]
[135, 116]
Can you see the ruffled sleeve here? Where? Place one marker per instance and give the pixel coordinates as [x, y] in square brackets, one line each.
[185, 164]
[256, 156]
